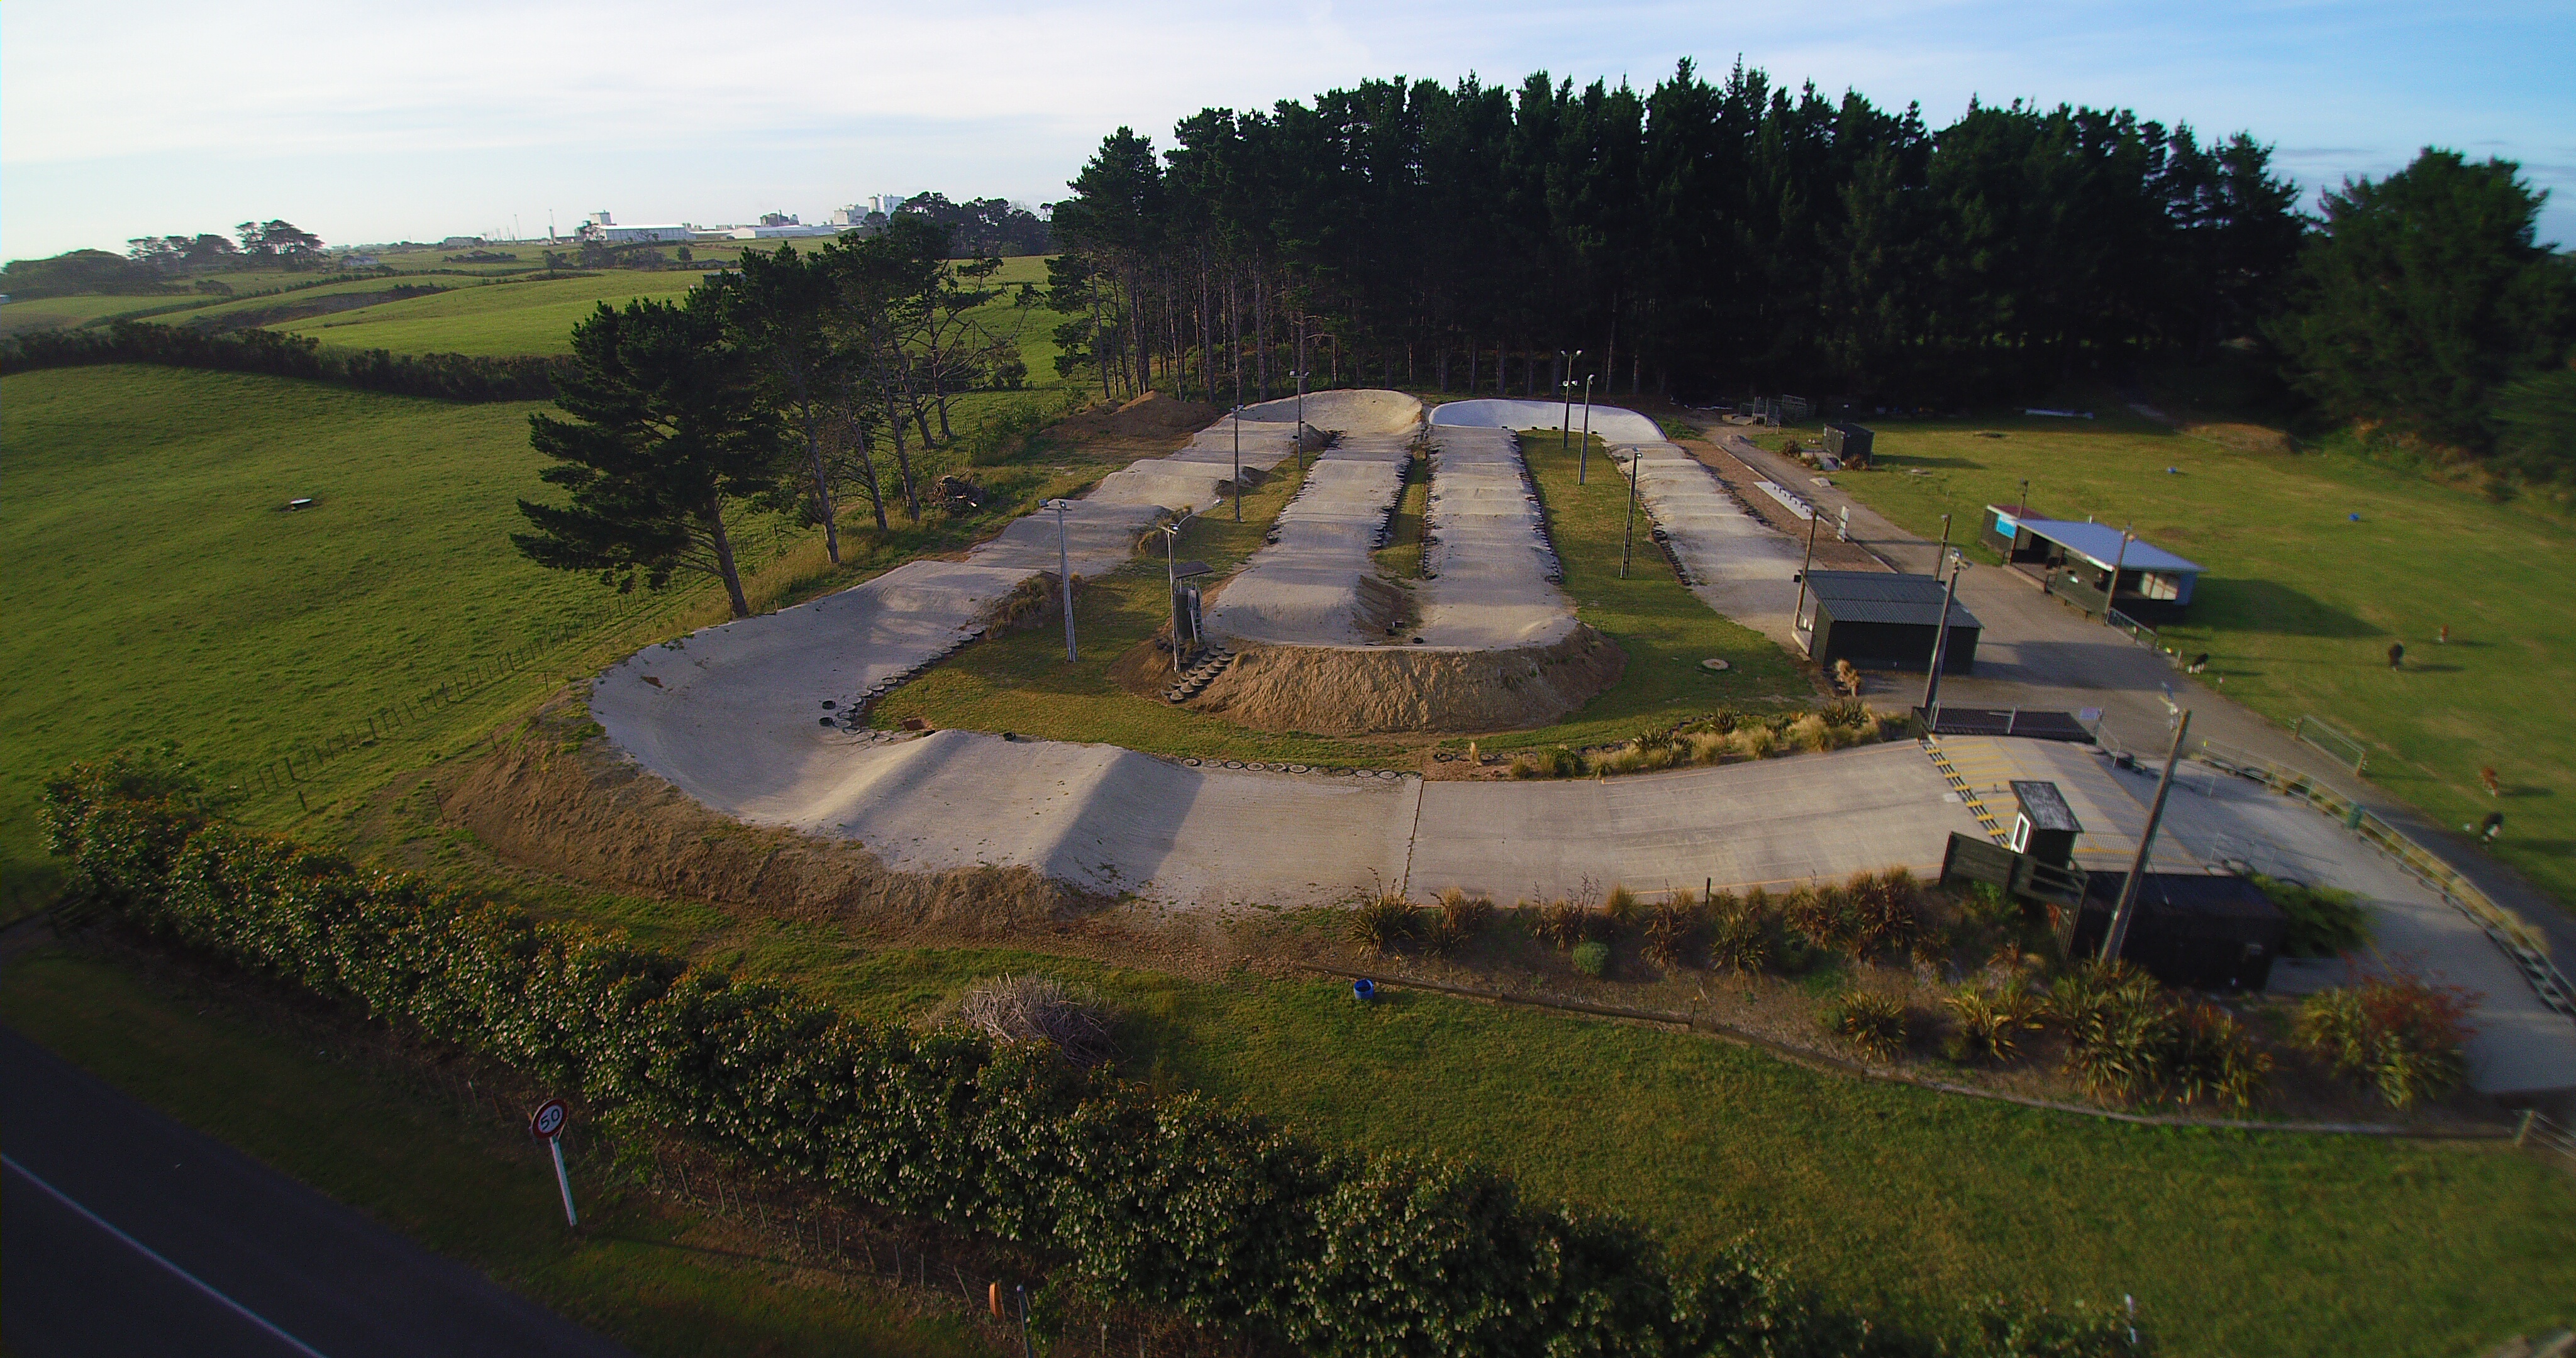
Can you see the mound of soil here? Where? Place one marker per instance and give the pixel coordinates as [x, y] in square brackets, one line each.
[1370, 690]
[558, 799]
[1150, 418]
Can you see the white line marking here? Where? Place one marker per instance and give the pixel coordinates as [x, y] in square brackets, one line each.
[148, 1252]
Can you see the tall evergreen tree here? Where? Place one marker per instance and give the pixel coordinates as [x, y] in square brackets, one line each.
[668, 428]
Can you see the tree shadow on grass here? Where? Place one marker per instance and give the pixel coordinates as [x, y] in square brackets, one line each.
[2235, 605]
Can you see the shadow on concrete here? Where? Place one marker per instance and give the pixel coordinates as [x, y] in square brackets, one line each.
[2237, 605]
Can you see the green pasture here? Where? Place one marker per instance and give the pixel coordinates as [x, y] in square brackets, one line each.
[55, 313]
[2301, 601]
[1884, 1197]
[661, 1280]
[494, 319]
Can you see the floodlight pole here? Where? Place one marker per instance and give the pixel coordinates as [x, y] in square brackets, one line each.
[1944, 550]
[1941, 641]
[1301, 421]
[1587, 410]
[1804, 571]
[2118, 935]
[1636, 461]
[1172, 578]
[1064, 576]
[2111, 595]
[1237, 422]
[2022, 506]
[1565, 427]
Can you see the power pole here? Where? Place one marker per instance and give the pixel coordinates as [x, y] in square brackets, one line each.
[1804, 571]
[2118, 936]
[1941, 644]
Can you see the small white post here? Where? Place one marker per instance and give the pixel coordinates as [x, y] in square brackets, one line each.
[563, 1181]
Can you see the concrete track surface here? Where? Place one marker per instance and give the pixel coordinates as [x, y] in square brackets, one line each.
[1614, 424]
[249, 1262]
[1492, 570]
[1303, 589]
[1733, 561]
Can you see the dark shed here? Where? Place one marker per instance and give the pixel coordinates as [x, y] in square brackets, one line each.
[2046, 827]
[1878, 620]
[2196, 930]
[1849, 444]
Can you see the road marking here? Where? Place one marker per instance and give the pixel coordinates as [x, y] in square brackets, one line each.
[148, 1252]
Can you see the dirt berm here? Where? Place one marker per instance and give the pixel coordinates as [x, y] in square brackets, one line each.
[1366, 690]
[555, 799]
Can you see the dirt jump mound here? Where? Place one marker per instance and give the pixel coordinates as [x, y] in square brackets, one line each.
[1365, 690]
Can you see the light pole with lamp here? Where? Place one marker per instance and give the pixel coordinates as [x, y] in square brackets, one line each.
[1944, 549]
[1636, 464]
[1172, 577]
[1064, 575]
[1300, 375]
[1798, 612]
[1941, 642]
[1566, 425]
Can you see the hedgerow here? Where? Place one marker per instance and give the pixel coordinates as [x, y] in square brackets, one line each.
[1173, 1202]
[449, 377]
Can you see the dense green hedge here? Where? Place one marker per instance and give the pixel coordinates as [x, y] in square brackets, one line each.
[1171, 1202]
[451, 377]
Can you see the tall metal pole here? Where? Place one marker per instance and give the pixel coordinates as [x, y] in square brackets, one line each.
[1566, 426]
[1636, 460]
[1943, 552]
[563, 1181]
[2118, 937]
[1301, 421]
[1804, 571]
[2111, 596]
[1172, 578]
[2022, 506]
[1064, 576]
[1238, 443]
[1587, 410]
[1941, 643]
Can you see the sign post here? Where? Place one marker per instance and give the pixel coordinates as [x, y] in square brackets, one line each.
[547, 1124]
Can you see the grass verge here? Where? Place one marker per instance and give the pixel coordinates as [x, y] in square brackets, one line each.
[654, 1278]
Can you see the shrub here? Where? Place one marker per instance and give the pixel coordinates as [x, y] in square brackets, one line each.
[1873, 1023]
[1672, 931]
[1461, 918]
[1592, 958]
[2401, 1035]
[2129, 1039]
[1619, 908]
[1989, 1023]
[1740, 936]
[1824, 915]
[1562, 923]
[2324, 922]
[1882, 908]
[1382, 925]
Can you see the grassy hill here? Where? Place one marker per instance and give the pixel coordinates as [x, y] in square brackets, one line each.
[2301, 600]
[492, 319]
[164, 593]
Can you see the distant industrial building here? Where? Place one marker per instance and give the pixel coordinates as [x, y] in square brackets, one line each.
[601, 227]
[2075, 560]
[1882, 621]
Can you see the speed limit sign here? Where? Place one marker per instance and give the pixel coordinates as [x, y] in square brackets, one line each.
[547, 1122]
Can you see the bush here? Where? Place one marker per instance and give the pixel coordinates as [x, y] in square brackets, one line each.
[2129, 1039]
[1824, 916]
[1672, 931]
[1618, 909]
[1461, 918]
[1040, 1009]
[2401, 1035]
[1562, 923]
[1592, 958]
[1740, 936]
[1989, 1024]
[1882, 908]
[1871, 1022]
[453, 377]
[2324, 922]
[1381, 926]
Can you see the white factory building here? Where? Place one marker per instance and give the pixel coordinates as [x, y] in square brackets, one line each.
[599, 226]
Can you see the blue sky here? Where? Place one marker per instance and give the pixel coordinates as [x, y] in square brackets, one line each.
[380, 122]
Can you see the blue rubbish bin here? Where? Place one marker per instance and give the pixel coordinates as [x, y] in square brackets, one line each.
[1364, 990]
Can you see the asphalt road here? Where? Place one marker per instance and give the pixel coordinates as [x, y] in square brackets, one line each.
[127, 1233]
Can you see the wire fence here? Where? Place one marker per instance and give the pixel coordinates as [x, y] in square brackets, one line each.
[285, 771]
[2345, 750]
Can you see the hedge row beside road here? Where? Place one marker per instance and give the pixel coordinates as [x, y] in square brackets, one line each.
[450, 377]
[1171, 1202]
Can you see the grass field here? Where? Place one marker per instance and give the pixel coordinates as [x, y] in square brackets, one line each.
[492, 319]
[2301, 602]
[2233, 1243]
[660, 1280]
[54, 313]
